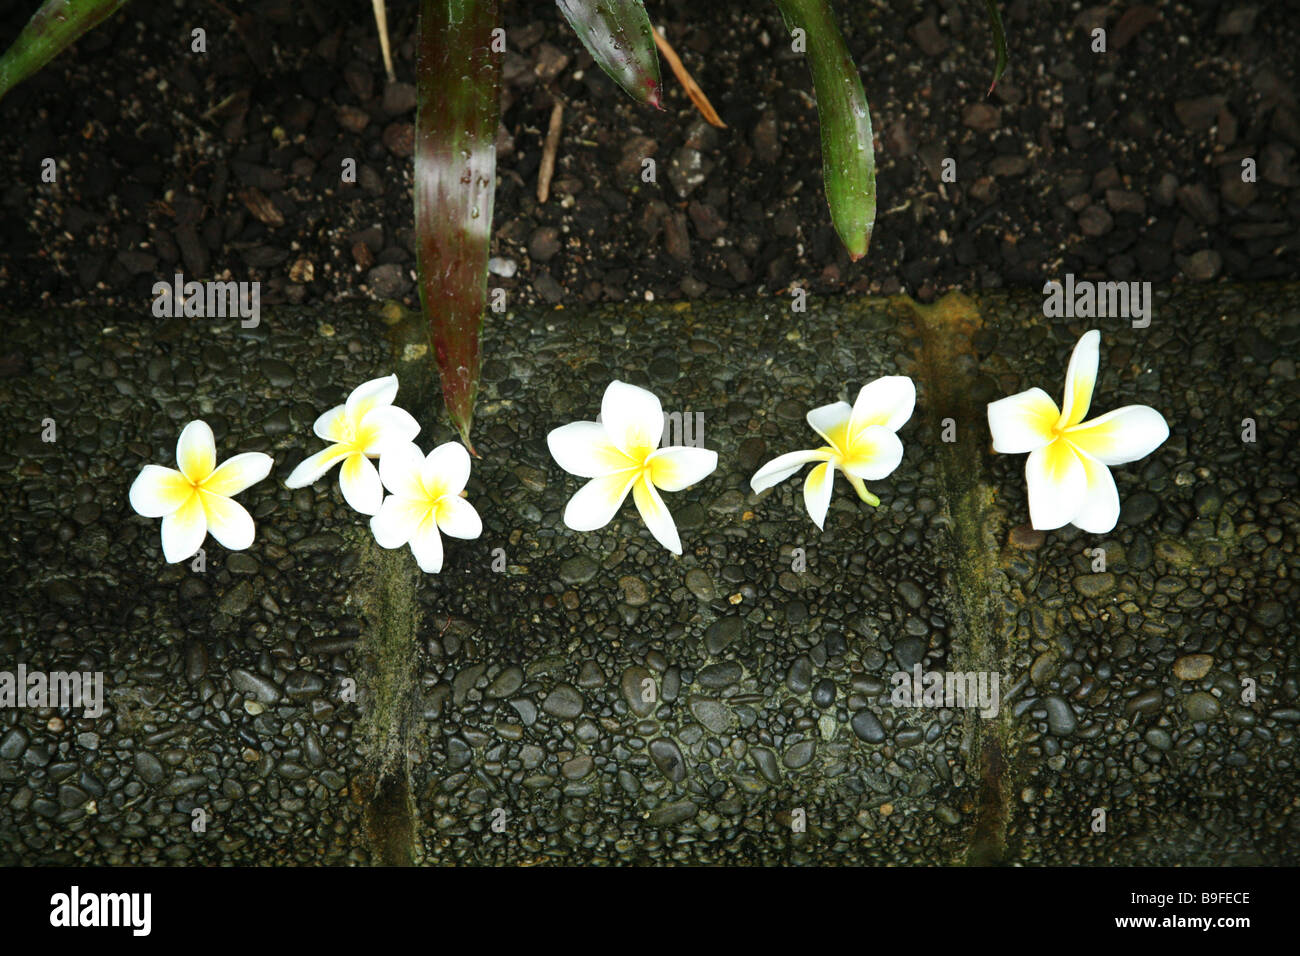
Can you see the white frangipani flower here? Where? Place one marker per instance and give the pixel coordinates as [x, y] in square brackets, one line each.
[1067, 474]
[860, 442]
[620, 453]
[359, 429]
[425, 497]
[197, 499]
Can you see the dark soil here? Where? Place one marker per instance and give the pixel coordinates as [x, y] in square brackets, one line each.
[1125, 164]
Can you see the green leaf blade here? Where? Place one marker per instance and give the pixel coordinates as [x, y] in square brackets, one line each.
[848, 153]
[617, 34]
[999, 42]
[458, 85]
[55, 26]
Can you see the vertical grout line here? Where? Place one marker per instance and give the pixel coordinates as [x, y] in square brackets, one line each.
[388, 653]
[945, 369]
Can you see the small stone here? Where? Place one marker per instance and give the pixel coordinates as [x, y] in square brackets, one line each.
[700, 584]
[1009, 166]
[1132, 22]
[388, 281]
[13, 744]
[926, 35]
[721, 633]
[635, 592]
[981, 117]
[1095, 221]
[672, 814]
[720, 675]
[1237, 21]
[149, 768]
[505, 268]
[1095, 584]
[1193, 666]
[800, 754]
[639, 690]
[799, 678]
[303, 685]
[711, 714]
[1138, 508]
[909, 651]
[867, 726]
[578, 570]
[1199, 203]
[399, 98]
[766, 137]
[263, 689]
[1159, 739]
[1203, 265]
[1125, 201]
[400, 139]
[1198, 114]
[564, 701]
[1060, 717]
[668, 758]
[1025, 538]
[1207, 500]
[823, 694]
[1201, 706]
[577, 768]
[544, 243]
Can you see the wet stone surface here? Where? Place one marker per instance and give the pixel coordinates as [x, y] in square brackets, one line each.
[599, 700]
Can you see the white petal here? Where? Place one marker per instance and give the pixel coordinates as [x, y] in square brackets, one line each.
[397, 520]
[196, 452]
[832, 423]
[227, 520]
[1100, 511]
[633, 418]
[183, 530]
[680, 466]
[1057, 483]
[656, 515]
[239, 472]
[360, 484]
[873, 453]
[1080, 379]
[887, 402]
[1121, 436]
[368, 395]
[331, 426]
[158, 491]
[446, 470]
[817, 492]
[598, 501]
[457, 517]
[584, 449]
[426, 545]
[310, 469]
[1022, 422]
[782, 467]
[387, 425]
[399, 470]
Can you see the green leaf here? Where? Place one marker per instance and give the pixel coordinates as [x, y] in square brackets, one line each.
[617, 35]
[848, 154]
[51, 29]
[458, 85]
[999, 40]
